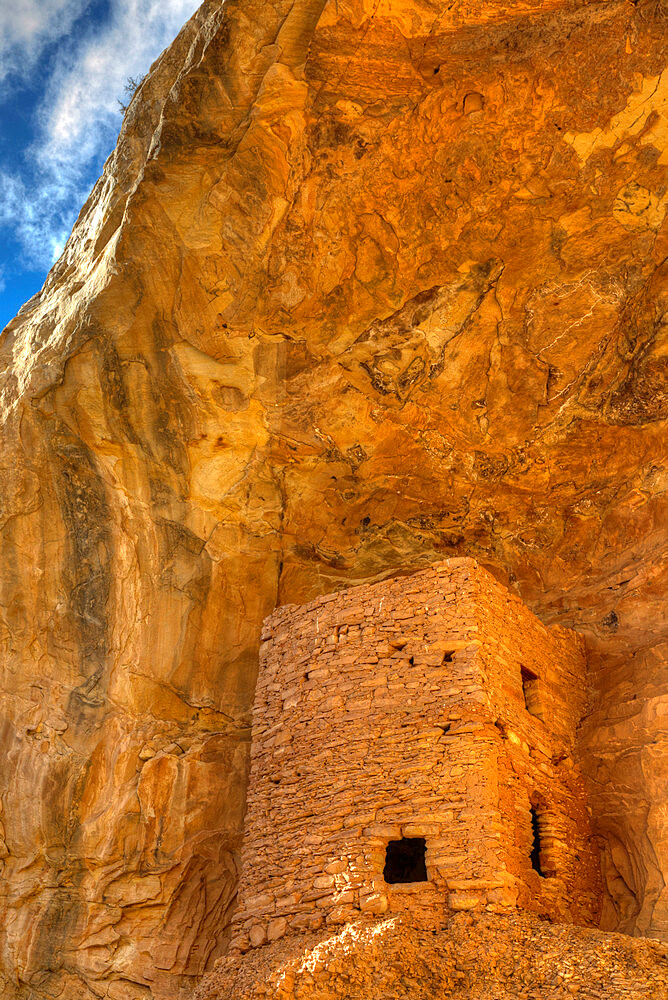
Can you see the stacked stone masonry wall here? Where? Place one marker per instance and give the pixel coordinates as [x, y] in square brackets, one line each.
[397, 710]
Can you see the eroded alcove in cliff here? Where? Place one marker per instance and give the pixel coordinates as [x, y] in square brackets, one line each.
[364, 286]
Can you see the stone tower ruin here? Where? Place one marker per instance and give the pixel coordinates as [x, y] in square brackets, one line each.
[412, 749]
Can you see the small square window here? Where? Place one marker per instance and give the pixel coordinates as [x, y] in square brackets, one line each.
[405, 861]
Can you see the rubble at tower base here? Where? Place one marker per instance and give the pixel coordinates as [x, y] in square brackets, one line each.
[486, 957]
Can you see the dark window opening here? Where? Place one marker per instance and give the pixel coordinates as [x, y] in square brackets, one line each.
[535, 845]
[411, 660]
[531, 689]
[447, 656]
[405, 860]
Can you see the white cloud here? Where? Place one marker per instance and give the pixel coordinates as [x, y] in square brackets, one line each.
[39, 219]
[27, 26]
[79, 120]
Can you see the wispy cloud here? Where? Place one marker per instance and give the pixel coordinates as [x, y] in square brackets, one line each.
[78, 120]
[27, 27]
[38, 214]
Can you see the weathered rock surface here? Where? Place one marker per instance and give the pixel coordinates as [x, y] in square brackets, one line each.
[364, 284]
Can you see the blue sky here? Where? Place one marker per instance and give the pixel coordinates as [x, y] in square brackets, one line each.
[63, 66]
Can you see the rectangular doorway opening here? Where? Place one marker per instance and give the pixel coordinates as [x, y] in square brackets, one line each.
[535, 843]
[543, 860]
[405, 861]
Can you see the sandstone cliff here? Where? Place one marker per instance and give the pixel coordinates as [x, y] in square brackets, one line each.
[364, 284]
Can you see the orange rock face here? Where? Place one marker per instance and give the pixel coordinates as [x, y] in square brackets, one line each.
[364, 284]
